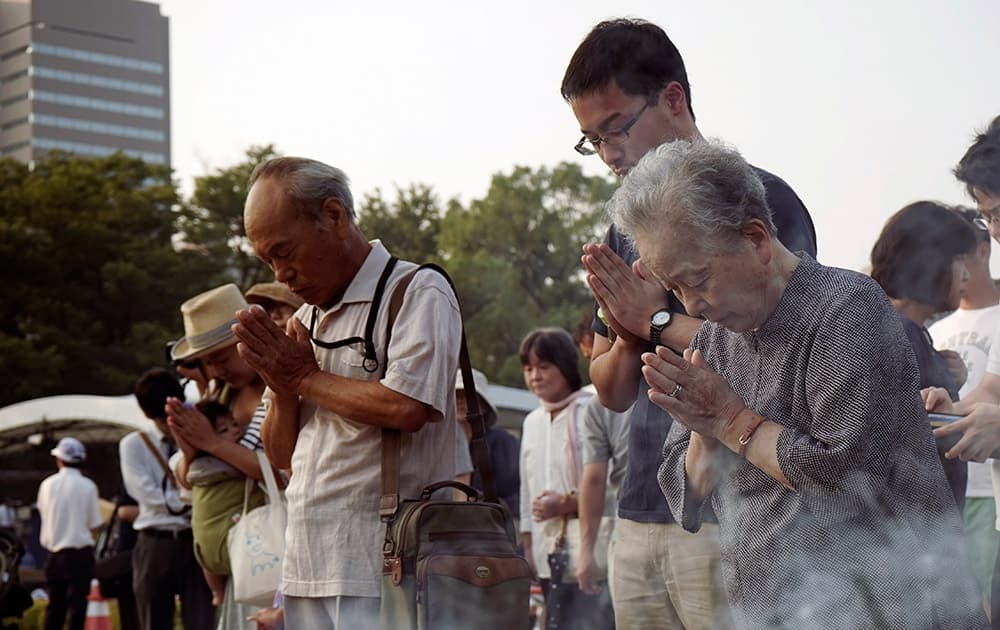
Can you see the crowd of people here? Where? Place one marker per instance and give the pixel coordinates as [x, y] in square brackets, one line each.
[754, 451]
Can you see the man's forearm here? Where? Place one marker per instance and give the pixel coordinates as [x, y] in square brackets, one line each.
[615, 370]
[593, 487]
[678, 335]
[280, 430]
[369, 402]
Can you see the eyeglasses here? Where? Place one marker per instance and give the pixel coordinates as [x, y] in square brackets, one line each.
[988, 217]
[586, 146]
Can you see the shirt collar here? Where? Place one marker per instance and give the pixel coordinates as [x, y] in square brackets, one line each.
[362, 287]
[155, 432]
[70, 470]
[789, 307]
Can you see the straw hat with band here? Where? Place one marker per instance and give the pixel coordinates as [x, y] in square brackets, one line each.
[275, 292]
[208, 320]
[490, 414]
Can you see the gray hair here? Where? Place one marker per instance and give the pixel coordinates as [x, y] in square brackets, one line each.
[702, 184]
[307, 182]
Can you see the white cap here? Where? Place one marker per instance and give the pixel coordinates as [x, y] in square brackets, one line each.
[70, 450]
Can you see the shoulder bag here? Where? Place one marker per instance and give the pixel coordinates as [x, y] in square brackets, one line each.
[449, 564]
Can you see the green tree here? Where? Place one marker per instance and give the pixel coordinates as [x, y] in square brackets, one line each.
[409, 227]
[92, 280]
[515, 256]
[212, 220]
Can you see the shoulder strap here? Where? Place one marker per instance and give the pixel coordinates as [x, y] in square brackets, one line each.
[159, 457]
[168, 475]
[391, 438]
[370, 363]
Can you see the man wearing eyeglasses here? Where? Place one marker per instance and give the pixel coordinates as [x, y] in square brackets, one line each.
[629, 91]
[979, 170]
[335, 380]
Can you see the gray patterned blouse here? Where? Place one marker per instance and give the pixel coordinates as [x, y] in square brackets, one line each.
[871, 537]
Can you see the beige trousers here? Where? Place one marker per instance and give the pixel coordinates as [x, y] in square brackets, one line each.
[665, 578]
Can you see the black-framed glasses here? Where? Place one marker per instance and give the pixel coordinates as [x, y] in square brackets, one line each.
[586, 146]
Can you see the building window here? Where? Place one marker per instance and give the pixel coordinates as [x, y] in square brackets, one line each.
[95, 150]
[10, 54]
[10, 124]
[13, 76]
[7, 102]
[10, 148]
[98, 81]
[44, 96]
[91, 126]
[97, 58]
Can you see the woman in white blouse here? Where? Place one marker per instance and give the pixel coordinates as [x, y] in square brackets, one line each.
[551, 466]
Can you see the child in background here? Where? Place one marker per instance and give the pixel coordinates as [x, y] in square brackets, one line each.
[217, 492]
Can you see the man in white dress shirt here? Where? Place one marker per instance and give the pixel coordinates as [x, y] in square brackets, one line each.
[163, 563]
[67, 504]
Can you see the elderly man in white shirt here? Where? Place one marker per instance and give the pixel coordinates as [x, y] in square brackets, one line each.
[331, 391]
[67, 504]
[163, 562]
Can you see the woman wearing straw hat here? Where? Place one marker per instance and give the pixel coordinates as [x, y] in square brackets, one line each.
[208, 338]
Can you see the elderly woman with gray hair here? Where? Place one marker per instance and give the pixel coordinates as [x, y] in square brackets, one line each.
[799, 415]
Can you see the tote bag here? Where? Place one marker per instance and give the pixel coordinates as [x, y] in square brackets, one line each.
[257, 544]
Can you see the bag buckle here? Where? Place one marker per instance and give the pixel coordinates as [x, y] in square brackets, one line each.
[388, 504]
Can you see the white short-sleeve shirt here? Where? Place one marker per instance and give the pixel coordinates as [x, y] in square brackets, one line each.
[333, 542]
[68, 507]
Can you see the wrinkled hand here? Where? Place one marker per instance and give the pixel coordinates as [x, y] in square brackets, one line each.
[191, 429]
[283, 360]
[548, 504]
[627, 299]
[268, 618]
[937, 399]
[980, 434]
[586, 574]
[706, 403]
[956, 366]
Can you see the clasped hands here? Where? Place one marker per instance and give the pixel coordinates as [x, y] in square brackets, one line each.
[625, 294]
[693, 394]
[283, 358]
[550, 504]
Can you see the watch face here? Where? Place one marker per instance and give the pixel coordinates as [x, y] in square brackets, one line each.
[661, 318]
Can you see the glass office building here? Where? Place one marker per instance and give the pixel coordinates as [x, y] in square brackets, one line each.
[88, 76]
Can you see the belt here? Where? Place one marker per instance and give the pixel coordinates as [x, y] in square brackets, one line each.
[172, 534]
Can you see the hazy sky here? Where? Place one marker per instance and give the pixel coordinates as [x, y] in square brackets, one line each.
[861, 106]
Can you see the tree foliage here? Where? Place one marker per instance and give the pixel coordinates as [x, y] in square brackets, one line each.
[514, 253]
[98, 254]
[515, 256]
[212, 220]
[410, 226]
[92, 280]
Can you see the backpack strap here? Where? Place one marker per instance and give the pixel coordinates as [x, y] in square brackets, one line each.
[392, 438]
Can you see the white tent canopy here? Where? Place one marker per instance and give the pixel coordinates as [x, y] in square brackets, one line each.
[87, 418]
[121, 410]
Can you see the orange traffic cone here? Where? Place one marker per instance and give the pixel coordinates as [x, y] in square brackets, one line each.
[98, 613]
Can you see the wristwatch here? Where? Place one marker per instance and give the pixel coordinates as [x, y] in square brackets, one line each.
[659, 321]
